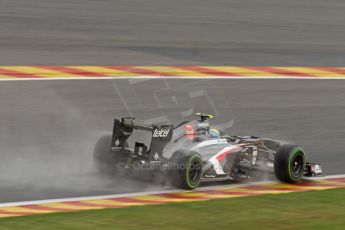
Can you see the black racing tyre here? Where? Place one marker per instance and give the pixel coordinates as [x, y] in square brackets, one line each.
[289, 163]
[187, 169]
[105, 160]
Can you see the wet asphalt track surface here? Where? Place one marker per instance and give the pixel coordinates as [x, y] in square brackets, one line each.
[179, 32]
[48, 129]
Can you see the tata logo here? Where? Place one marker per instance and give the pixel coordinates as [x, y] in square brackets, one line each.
[161, 132]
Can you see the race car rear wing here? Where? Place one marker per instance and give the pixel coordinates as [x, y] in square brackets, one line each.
[160, 136]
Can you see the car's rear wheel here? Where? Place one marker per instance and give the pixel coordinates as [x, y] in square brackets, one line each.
[289, 163]
[186, 169]
[106, 161]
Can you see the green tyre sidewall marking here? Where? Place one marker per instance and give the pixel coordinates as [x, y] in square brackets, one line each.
[295, 152]
[191, 185]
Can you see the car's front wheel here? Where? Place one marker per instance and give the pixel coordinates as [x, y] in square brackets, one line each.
[289, 163]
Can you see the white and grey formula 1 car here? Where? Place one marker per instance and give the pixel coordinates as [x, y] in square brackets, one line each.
[192, 152]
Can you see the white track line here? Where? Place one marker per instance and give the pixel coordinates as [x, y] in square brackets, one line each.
[13, 204]
[170, 77]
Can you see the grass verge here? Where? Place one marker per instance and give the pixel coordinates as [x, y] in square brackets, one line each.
[306, 210]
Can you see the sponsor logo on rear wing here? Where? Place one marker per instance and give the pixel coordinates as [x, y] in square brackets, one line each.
[163, 132]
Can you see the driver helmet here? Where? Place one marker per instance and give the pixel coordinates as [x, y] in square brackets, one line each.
[214, 133]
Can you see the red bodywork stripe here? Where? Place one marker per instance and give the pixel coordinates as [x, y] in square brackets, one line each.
[223, 155]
